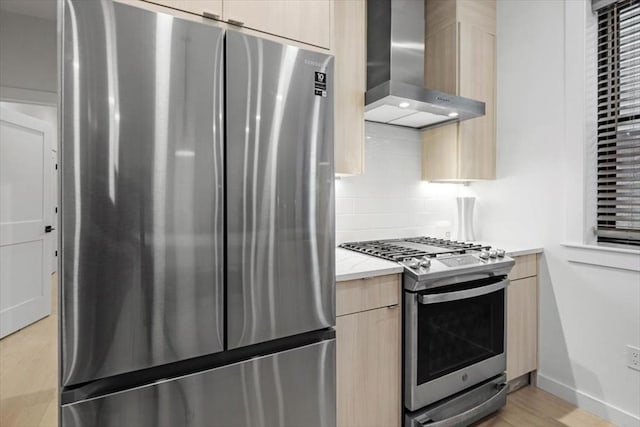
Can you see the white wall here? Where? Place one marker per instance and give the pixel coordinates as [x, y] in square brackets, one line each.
[588, 313]
[28, 52]
[28, 77]
[389, 200]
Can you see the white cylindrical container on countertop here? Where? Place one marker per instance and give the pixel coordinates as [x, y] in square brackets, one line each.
[465, 219]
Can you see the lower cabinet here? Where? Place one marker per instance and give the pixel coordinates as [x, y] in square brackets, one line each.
[368, 360]
[522, 318]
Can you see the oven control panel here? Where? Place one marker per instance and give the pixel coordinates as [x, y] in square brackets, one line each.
[432, 268]
[423, 264]
[460, 260]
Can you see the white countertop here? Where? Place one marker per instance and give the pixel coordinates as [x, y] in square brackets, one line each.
[352, 265]
[514, 249]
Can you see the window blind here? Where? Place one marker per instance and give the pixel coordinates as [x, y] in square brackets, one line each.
[618, 176]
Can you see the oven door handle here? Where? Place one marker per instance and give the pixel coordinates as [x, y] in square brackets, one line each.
[492, 404]
[458, 295]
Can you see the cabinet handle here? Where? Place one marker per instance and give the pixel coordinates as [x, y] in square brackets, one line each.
[235, 22]
[210, 15]
[393, 306]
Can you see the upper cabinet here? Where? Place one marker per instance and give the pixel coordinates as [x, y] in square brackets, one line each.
[208, 8]
[350, 85]
[460, 58]
[306, 21]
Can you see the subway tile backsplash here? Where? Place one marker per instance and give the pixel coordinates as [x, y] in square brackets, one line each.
[389, 200]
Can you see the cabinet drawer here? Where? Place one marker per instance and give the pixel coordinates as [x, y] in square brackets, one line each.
[353, 296]
[526, 266]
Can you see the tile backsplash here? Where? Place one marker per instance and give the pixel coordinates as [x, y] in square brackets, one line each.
[389, 200]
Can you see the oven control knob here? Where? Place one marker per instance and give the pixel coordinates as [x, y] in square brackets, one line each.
[413, 263]
[426, 263]
[484, 255]
[493, 253]
[501, 253]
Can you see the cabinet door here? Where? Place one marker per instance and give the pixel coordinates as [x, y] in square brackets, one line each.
[440, 153]
[522, 327]
[368, 368]
[441, 59]
[460, 58]
[307, 21]
[208, 8]
[350, 66]
[477, 147]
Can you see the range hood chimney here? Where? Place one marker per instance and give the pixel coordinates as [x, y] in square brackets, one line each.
[396, 92]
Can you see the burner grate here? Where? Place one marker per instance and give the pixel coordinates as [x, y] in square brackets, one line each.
[447, 244]
[389, 250]
[384, 250]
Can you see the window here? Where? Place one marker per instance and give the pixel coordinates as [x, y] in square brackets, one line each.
[618, 97]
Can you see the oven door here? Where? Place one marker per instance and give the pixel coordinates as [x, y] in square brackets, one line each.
[454, 339]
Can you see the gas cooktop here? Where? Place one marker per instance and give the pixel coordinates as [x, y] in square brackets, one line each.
[428, 259]
[399, 250]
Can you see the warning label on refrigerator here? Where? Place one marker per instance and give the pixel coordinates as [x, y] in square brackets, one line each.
[320, 84]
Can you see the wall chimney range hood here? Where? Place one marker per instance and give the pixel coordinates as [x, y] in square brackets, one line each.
[396, 92]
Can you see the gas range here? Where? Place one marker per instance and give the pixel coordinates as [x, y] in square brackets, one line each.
[430, 262]
[454, 326]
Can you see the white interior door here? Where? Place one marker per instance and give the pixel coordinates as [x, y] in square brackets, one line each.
[25, 211]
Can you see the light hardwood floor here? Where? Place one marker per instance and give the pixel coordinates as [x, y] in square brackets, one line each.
[28, 382]
[29, 372]
[532, 407]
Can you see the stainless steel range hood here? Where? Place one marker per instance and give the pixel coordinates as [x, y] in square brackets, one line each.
[396, 92]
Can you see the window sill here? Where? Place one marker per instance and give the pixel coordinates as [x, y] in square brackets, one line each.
[603, 256]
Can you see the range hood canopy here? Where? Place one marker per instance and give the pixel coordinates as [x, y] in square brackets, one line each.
[396, 92]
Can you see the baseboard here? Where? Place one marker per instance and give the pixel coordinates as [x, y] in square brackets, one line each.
[588, 403]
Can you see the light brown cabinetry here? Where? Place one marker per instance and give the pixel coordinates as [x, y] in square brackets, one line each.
[208, 8]
[350, 85]
[522, 317]
[460, 58]
[306, 21]
[369, 352]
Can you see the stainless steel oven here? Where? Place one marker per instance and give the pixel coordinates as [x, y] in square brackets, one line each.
[455, 333]
[454, 327]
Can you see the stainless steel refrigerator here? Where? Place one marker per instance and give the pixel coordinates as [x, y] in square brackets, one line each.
[197, 284]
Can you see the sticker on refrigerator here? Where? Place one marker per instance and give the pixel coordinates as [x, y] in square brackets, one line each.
[320, 84]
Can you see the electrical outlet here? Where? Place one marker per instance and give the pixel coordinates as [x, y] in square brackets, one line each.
[633, 357]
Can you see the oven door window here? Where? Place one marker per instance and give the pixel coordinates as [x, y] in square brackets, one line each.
[456, 334]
